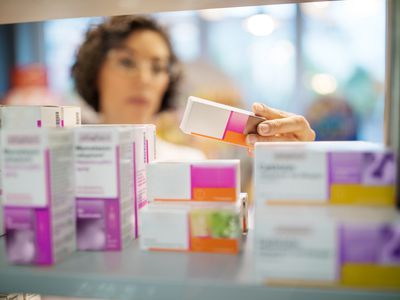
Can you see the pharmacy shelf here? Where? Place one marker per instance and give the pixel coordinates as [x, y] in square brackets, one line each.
[16, 11]
[134, 274]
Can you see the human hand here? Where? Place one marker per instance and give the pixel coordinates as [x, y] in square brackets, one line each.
[280, 126]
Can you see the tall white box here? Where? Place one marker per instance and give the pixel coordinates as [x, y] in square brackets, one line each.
[103, 187]
[38, 197]
[30, 117]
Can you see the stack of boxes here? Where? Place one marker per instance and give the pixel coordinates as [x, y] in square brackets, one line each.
[325, 214]
[194, 206]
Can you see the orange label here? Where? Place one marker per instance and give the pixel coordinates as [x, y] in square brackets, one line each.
[214, 194]
[203, 244]
[235, 138]
[230, 137]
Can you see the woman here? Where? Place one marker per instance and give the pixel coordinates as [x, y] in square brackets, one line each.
[127, 71]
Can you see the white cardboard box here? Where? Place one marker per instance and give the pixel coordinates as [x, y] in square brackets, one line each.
[104, 187]
[208, 180]
[218, 121]
[324, 173]
[38, 195]
[195, 226]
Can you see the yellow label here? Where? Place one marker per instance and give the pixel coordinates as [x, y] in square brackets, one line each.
[366, 195]
[371, 276]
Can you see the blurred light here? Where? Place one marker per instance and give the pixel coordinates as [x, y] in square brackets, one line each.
[363, 8]
[316, 9]
[260, 25]
[282, 51]
[323, 84]
[212, 15]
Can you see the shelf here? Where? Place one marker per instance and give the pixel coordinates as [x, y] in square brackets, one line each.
[16, 11]
[134, 274]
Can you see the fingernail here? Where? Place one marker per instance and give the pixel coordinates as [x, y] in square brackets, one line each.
[258, 106]
[251, 139]
[265, 128]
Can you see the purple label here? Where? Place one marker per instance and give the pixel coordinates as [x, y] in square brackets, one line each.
[98, 224]
[345, 168]
[362, 168]
[28, 235]
[372, 243]
[379, 169]
[213, 177]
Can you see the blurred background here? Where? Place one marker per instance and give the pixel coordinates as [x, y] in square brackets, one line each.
[324, 60]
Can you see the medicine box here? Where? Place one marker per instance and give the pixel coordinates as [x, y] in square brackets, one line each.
[208, 180]
[324, 173]
[28, 117]
[38, 188]
[195, 226]
[104, 187]
[218, 121]
[328, 246]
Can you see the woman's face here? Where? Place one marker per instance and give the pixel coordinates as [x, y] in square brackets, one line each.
[133, 79]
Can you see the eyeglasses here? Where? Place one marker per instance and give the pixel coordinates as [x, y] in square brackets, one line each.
[130, 65]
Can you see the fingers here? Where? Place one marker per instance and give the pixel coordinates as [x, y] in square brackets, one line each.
[295, 124]
[267, 112]
[251, 139]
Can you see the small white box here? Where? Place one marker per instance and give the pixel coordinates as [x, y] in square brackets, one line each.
[70, 116]
[29, 117]
[104, 187]
[38, 195]
[324, 173]
[208, 180]
[218, 121]
[195, 226]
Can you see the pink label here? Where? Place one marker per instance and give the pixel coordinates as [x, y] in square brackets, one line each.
[213, 177]
[237, 122]
[135, 193]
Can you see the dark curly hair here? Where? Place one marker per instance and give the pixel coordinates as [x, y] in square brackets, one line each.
[108, 35]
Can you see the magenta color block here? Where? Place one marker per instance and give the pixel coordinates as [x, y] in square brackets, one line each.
[135, 193]
[237, 122]
[27, 227]
[113, 225]
[213, 176]
[39, 123]
[62, 123]
[43, 236]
